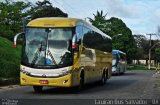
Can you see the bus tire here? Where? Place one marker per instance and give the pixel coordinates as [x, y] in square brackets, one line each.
[81, 82]
[103, 79]
[38, 89]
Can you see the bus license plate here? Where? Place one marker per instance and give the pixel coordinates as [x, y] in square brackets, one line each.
[43, 81]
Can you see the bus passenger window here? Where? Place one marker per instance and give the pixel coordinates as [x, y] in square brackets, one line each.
[79, 33]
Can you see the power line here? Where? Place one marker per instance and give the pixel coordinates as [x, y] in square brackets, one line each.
[59, 4]
[71, 7]
[64, 8]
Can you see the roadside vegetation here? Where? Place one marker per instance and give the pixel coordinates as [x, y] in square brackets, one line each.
[136, 67]
[139, 67]
[9, 59]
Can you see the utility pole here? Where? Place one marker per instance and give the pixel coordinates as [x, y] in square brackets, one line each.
[149, 55]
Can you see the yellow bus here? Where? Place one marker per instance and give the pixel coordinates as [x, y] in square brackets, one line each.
[64, 52]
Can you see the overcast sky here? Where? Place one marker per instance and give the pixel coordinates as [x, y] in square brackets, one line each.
[141, 16]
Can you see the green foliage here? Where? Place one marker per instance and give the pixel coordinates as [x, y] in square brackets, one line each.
[11, 17]
[99, 18]
[45, 9]
[143, 45]
[99, 21]
[136, 67]
[126, 41]
[9, 59]
[157, 51]
[113, 27]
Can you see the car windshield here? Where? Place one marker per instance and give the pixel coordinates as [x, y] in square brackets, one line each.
[47, 47]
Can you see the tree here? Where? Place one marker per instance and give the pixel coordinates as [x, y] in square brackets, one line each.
[45, 9]
[113, 27]
[157, 52]
[125, 42]
[142, 45]
[98, 18]
[143, 48]
[100, 21]
[11, 17]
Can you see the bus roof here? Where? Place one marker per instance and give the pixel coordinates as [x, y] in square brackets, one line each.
[117, 51]
[53, 22]
[62, 22]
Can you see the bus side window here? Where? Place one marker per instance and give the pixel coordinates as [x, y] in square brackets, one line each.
[79, 33]
[88, 40]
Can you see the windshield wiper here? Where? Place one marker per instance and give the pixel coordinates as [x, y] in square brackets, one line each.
[36, 55]
[48, 51]
[54, 61]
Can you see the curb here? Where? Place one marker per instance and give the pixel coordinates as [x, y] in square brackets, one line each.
[9, 81]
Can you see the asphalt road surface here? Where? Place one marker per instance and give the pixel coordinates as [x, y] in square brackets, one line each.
[137, 84]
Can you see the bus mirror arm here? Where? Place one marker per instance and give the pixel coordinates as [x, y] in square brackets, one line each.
[16, 37]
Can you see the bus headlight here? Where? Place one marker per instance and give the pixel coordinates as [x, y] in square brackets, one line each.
[25, 72]
[65, 72]
[113, 68]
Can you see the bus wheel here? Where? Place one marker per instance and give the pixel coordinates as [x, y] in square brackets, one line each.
[103, 79]
[81, 83]
[37, 89]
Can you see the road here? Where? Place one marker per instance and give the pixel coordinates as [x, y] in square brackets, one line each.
[132, 85]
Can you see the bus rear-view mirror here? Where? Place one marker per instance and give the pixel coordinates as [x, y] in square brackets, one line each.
[16, 38]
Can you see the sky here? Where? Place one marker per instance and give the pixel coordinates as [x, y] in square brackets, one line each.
[141, 16]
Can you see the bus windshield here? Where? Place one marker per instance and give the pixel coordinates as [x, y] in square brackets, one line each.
[47, 47]
[114, 59]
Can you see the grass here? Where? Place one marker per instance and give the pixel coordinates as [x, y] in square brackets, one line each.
[9, 59]
[138, 67]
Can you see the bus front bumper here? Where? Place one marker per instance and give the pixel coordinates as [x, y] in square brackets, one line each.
[63, 81]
